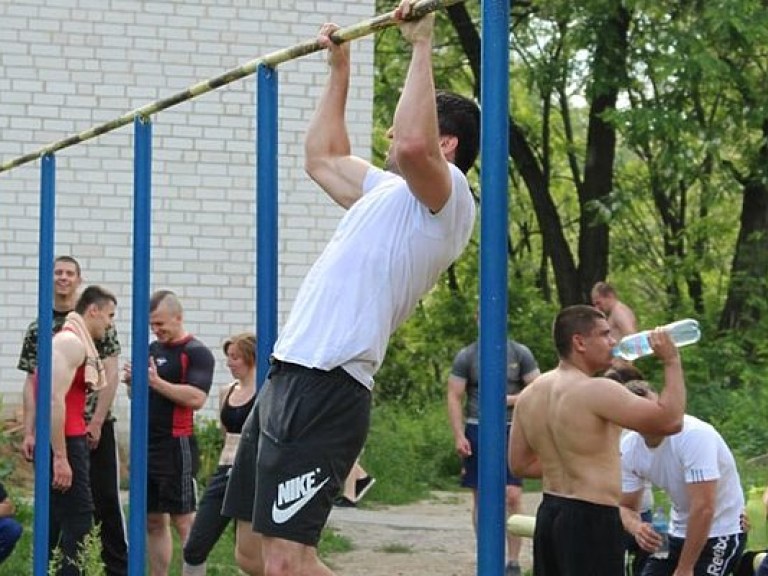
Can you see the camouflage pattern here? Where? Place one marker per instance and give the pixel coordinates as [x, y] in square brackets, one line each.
[107, 347]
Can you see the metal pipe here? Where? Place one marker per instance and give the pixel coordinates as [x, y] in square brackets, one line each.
[353, 32]
[494, 99]
[142, 233]
[266, 218]
[44, 364]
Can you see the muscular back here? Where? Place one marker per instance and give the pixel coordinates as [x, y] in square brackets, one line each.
[578, 450]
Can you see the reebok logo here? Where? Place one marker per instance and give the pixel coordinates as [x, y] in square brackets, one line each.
[296, 493]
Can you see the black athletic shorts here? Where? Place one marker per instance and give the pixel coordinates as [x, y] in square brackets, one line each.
[577, 538]
[313, 427]
[77, 499]
[171, 468]
[241, 486]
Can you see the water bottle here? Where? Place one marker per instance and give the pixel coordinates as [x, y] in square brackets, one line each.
[633, 346]
[661, 527]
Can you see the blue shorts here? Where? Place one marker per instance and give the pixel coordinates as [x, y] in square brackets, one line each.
[469, 468]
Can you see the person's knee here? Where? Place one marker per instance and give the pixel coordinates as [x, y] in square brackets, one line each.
[10, 532]
[249, 561]
[157, 523]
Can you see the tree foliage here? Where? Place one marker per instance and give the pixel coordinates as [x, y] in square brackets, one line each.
[638, 153]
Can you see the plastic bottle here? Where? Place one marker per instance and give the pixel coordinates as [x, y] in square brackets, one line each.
[633, 346]
[661, 526]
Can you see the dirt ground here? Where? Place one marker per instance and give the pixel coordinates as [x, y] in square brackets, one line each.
[429, 538]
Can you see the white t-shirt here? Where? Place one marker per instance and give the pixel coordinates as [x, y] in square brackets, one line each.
[386, 253]
[696, 454]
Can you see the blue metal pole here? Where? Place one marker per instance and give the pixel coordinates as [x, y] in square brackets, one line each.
[44, 364]
[266, 217]
[142, 229]
[494, 91]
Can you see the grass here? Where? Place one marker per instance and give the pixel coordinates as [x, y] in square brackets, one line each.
[410, 455]
[220, 562]
[396, 548]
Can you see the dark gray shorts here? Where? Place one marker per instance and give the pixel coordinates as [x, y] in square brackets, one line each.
[313, 424]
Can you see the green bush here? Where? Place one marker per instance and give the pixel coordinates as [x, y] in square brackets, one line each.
[210, 441]
[410, 452]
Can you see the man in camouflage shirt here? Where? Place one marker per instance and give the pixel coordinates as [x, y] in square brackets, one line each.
[105, 471]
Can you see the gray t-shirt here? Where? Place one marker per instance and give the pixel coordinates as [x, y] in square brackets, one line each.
[520, 363]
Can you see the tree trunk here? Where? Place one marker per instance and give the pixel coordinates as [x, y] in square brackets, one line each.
[608, 74]
[748, 289]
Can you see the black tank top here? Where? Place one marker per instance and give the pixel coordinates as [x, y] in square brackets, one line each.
[233, 417]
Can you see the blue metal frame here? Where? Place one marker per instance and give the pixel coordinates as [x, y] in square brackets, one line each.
[142, 234]
[44, 363]
[494, 90]
[266, 218]
[493, 298]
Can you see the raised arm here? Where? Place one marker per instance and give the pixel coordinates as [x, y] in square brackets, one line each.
[662, 414]
[328, 158]
[417, 146]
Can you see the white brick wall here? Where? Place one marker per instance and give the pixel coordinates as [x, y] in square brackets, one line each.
[66, 65]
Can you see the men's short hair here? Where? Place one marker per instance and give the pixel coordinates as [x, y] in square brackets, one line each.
[639, 387]
[167, 297]
[459, 116]
[94, 295]
[623, 374]
[71, 260]
[578, 319]
[603, 289]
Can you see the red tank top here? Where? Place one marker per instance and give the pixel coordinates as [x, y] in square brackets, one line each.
[74, 404]
[74, 419]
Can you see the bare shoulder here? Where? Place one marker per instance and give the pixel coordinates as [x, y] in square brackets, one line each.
[68, 345]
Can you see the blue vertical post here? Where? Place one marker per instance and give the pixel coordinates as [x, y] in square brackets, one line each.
[494, 92]
[266, 217]
[142, 229]
[44, 362]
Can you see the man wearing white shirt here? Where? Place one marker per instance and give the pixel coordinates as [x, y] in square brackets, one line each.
[697, 470]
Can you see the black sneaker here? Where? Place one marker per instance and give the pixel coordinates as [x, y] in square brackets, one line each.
[512, 570]
[344, 502]
[362, 486]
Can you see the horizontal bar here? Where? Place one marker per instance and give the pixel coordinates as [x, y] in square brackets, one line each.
[521, 525]
[364, 28]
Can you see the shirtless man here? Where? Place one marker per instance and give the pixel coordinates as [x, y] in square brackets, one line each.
[566, 430]
[621, 319]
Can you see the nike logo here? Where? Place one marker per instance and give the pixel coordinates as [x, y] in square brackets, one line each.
[299, 490]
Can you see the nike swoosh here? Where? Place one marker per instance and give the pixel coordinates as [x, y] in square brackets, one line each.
[282, 515]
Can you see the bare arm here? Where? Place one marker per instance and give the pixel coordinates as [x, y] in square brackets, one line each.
[701, 496]
[105, 398]
[644, 534]
[328, 160]
[522, 459]
[662, 415]
[68, 355]
[7, 508]
[417, 146]
[182, 394]
[457, 388]
[30, 409]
